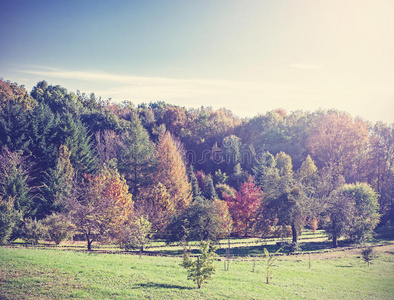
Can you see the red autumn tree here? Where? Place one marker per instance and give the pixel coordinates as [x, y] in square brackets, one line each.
[243, 207]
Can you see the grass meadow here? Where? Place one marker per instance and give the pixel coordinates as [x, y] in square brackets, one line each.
[55, 273]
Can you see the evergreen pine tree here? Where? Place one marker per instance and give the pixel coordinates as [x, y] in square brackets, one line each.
[136, 156]
[58, 184]
[43, 134]
[193, 182]
[266, 174]
[74, 135]
[209, 191]
[14, 123]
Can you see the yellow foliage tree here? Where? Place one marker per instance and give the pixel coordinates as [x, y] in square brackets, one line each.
[171, 172]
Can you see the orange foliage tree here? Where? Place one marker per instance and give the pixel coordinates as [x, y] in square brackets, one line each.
[102, 206]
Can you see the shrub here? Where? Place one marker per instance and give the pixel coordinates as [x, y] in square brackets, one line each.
[368, 254]
[9, 218]
[58, 227]
[33, 231]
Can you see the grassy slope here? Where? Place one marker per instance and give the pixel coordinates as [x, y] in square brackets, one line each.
[51, 274]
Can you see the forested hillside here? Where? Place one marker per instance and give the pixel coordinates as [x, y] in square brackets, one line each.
[118, 171]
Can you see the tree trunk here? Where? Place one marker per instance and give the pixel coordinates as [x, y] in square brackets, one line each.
[267, 276]
[141, 250]
[334, 240]
[89, 243]
[334, 235]
[294, 232]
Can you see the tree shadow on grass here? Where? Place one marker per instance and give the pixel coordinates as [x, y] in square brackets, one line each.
[249, 250]
[161, 286]
[258, 249]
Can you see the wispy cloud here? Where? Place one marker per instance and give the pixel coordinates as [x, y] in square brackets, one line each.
[305, 66]
[139, 88]
[95, 76]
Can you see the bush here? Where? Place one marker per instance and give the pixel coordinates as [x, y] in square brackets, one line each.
[58, 227]
[33, 230]
[9, 218]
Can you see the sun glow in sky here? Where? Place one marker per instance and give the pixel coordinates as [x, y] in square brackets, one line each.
[248, 56]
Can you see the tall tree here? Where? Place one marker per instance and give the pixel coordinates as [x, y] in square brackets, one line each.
[287, 202]
[16, 94]
[306, 177]
[194, 182]
[59, 183]
[208, 189]
[75, 136]
[43, 134]
[342, 211]
[171, 171]
[14, 124]
[15, 179]
[107, 142]
[340, 141]
[136, 153]
[380, 167]
[56, 97]
[156, 204]
[231, 153]
[174, 118]
[266, 175]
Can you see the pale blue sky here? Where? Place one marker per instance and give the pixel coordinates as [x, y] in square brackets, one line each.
[248, 56]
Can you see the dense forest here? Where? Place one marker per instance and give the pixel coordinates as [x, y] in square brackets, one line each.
[120, 172]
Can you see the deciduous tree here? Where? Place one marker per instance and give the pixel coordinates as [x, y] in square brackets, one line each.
[155, 203]
[171, 172]
[203, 267]
[243, 207]
[339, 140]
[102, 207]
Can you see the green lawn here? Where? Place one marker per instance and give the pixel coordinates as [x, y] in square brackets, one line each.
[55, 274]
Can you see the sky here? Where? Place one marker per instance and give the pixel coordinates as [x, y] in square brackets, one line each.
[247, 56]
